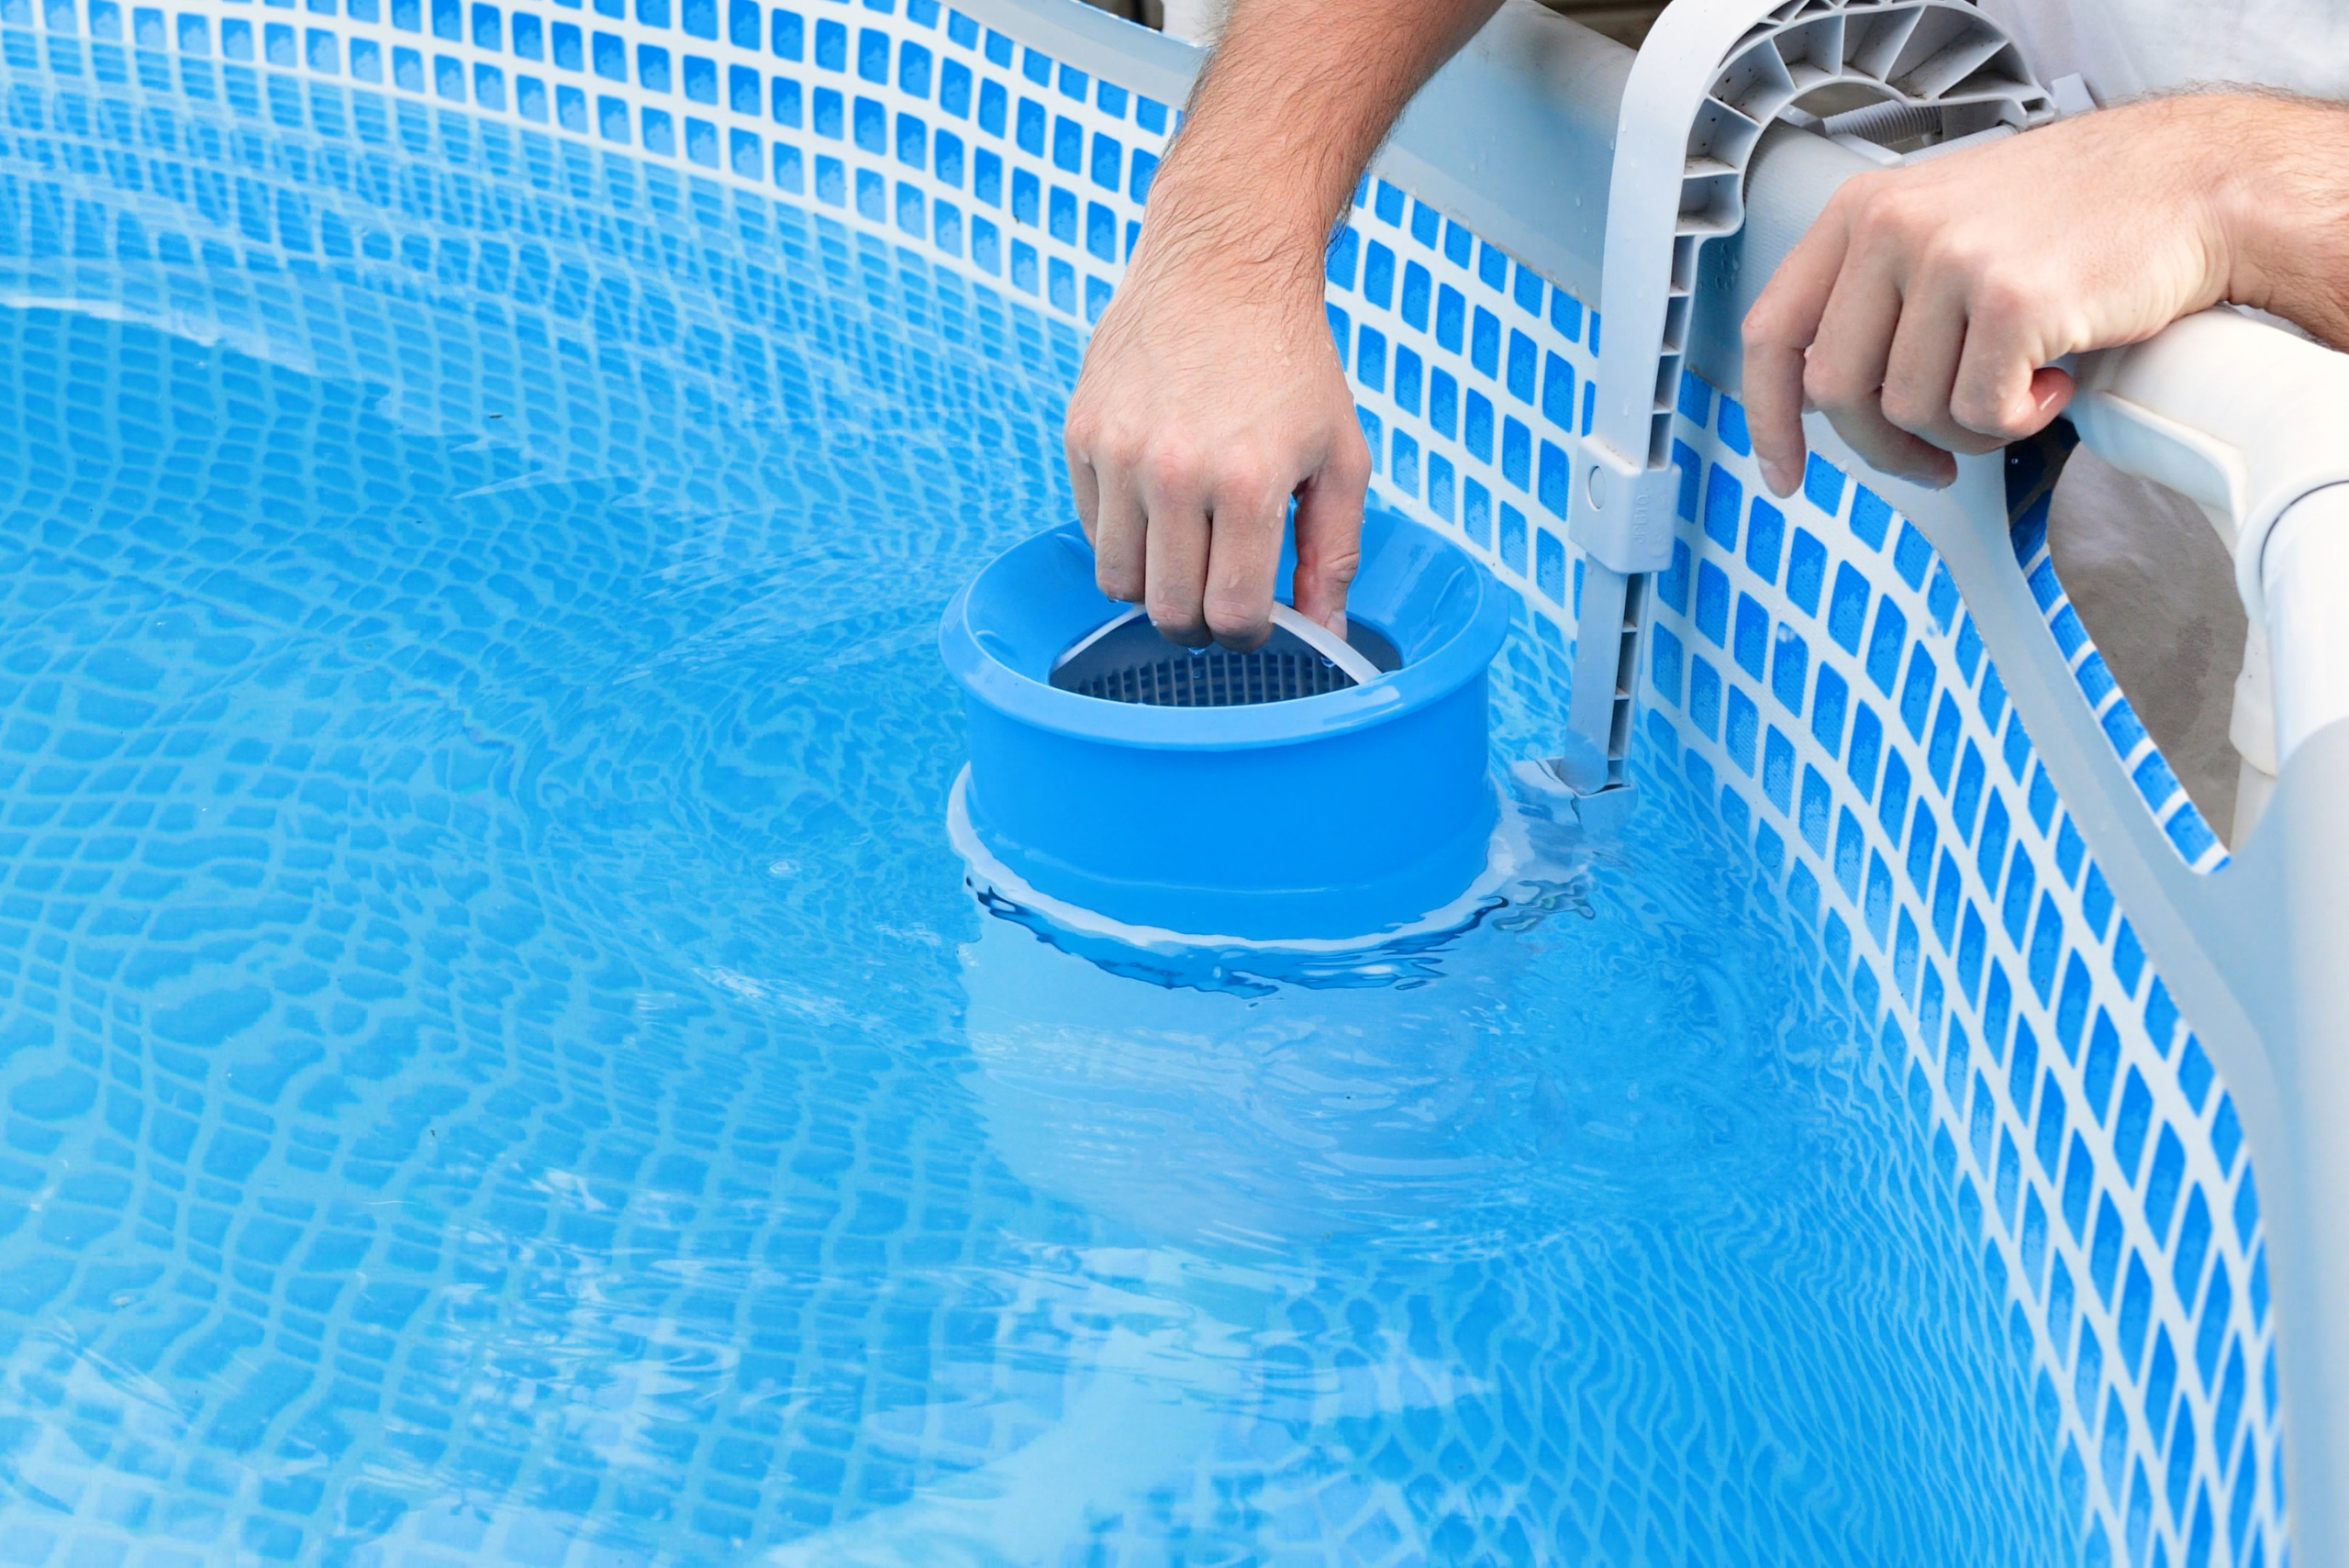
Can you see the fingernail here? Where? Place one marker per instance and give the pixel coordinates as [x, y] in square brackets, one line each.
[1774, 475]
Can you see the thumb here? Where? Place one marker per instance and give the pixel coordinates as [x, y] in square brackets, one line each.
[1329, 535]
[2051, 390]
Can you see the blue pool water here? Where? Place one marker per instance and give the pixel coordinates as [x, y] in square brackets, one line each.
[502, 1063]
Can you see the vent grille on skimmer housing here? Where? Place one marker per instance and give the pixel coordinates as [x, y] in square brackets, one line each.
[1128, 661]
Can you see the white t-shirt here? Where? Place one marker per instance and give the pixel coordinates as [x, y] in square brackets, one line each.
[2122, 48]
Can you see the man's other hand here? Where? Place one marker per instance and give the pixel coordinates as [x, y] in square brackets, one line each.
[1924, 311]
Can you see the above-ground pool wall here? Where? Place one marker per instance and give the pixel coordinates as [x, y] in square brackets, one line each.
[1813, 676]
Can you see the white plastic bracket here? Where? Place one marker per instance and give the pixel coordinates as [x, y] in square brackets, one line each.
[1624, 518]
[1712, 74]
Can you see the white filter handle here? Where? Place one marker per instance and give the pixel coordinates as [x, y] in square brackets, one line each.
[1095, 635]
[1325, 642]
[1314, 635]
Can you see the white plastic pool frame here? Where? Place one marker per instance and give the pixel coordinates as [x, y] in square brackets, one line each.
[2094, 1009]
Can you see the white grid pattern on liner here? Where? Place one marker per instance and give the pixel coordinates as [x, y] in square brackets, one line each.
[2066, 1095]
[2141, 1492]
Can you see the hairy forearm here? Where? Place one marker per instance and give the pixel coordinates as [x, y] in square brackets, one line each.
[2284, 203]
[1298, 94]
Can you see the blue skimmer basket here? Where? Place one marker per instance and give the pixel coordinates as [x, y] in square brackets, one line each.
[1266, 797]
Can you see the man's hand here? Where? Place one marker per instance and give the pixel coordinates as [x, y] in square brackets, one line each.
[1924, 310]
[1211, 393]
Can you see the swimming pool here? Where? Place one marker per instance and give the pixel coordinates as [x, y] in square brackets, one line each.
[526, 1066]
[503, 1060]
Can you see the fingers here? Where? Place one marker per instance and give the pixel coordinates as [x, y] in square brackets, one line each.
[1206, 571]
[1200, 547]
[1118, 531]
[1189, 430]
[1243, 557]
[1777, 330]
[1887, 448]
[2001, 392]
[1963, 376]
[1329, 532]
[1175, 550]
[1847, 367]
[1198, 543]
[1908, 332]
[1084, 484]
[2051, 393]
[1920, 366]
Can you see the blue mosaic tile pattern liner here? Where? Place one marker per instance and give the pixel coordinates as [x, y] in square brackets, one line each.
[951, 134]
[511, 1065]
[1812, 670]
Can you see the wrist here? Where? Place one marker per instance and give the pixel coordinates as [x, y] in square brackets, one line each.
[2280, 193]
[1232, 244]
